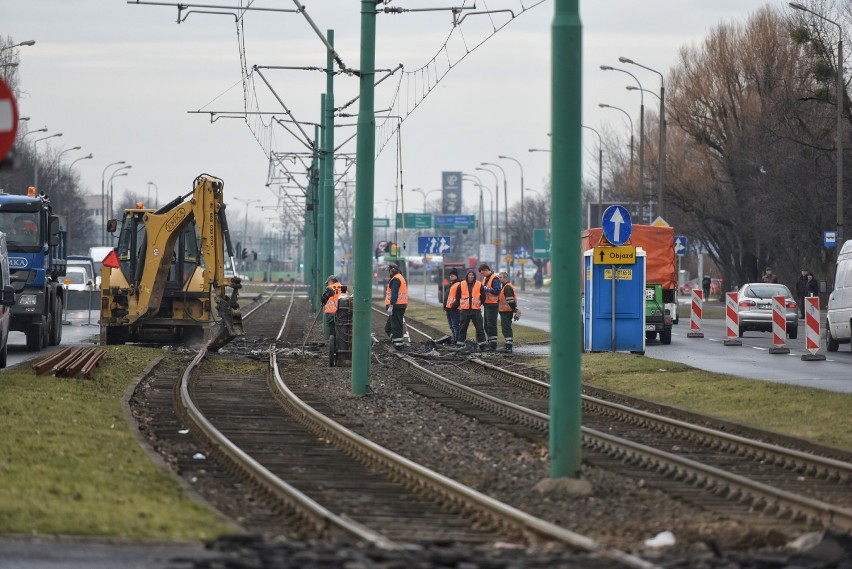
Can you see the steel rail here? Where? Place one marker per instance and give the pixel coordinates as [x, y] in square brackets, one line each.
[762, 496]
[790, 458]
[452, 493]
[323, 521]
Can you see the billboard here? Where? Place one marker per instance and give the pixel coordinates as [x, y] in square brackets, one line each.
[451, 184]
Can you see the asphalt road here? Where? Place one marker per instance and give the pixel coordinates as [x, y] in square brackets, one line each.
[75, 331]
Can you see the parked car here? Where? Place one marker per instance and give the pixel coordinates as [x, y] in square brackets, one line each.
[838, 326]
[755, 308]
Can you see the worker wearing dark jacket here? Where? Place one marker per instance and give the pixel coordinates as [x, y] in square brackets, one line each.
[396, 301]
[491, 286]
[508, 307]
[453, 315]
[468, 300]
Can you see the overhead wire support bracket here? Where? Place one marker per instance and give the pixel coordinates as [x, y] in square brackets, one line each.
[181, 7]
[286, 110]
[302, 10]
[389, 74]
[457, 21]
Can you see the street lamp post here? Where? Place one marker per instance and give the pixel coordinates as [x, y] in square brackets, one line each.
[600, 167]
[23, 43]
[641, 139]
[605, 106]
[103, 201]
[505, 201]
[478, 182]
[425, 195]
[497, 213]
[661, 159]
[156, 194]
[245, 223]
[35, 157]
[115, 174]
[43, 129]
[840, 102]
[523, 219]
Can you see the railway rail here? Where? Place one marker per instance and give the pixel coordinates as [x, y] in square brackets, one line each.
[756, 476]
[332, 483]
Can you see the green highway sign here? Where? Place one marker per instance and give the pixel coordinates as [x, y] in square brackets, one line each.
[381, 222]
[415, 220]
[541, 244]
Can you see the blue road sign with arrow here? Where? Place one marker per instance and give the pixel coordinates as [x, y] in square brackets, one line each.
[433, 245]
[680, 245]
[616, 225]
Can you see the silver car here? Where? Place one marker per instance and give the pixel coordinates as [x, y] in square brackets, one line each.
[754, 302]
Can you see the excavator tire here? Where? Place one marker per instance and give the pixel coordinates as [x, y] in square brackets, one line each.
[116, 335]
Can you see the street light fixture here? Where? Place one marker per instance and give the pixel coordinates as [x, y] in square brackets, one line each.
[840, 101]
[629, 118]
[641, 137]
[89, 157]
[115, 174]
[23, 43]
[505, 202]
[478, 182]
[103, 201]
[43, 129]
[35, 156]
[538, 150]
[425, 195]
[661, 163]
[68, 150]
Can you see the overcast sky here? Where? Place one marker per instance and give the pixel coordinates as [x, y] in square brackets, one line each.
[118, 80]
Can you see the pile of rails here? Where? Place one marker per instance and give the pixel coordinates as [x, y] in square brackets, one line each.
[71, 362]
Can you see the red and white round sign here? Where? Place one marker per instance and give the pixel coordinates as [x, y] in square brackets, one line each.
[8, 119]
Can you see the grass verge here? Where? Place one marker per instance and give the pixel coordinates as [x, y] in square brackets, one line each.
[70, 464]
[804, 412]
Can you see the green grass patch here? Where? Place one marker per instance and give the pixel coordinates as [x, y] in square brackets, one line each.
[435, 316]
[70, 465]
[804, 412]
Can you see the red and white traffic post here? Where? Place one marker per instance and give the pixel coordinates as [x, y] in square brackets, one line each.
[8, 119]
[695, 318]
[779, 326]
[732, 320]
[812, 330]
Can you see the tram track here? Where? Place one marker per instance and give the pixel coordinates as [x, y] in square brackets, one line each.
[717, 469]
[403, 500]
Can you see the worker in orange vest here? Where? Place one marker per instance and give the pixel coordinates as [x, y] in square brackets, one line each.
[468, 300]
[396, 301]
[508, 307]
[453, 314]
[329, 301]
[491, 286]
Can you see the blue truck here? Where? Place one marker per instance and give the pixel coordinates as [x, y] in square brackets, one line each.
[37, 261]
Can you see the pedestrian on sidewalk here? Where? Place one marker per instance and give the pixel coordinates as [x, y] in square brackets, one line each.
[813, 285]
[802, 291]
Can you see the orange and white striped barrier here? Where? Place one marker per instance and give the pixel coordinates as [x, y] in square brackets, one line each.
[812, 330]
[732, 320]
[779, 326]
[695, 318]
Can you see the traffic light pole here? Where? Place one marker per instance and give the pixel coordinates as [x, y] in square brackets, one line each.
[364, 198]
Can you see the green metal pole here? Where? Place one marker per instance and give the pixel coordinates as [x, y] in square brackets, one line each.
[364, 196]
[328, 174]
[311, 229]
[314, 196]
[565, 226]
[321, 246]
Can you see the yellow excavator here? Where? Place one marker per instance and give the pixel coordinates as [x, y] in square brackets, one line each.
[168, 271]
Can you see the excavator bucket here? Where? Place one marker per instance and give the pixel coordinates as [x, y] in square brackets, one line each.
[230, 319]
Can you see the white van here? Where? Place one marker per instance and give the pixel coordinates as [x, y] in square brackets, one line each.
[838, 327]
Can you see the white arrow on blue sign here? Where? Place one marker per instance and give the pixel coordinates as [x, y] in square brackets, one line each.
[616, 224]
[680, 245]
[522, 253]
[433, 245]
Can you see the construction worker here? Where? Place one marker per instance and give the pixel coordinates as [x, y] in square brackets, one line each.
[508, 307]
[396, 301]
[453, 315]
[468, 301]
[329, 301]
[491, 286]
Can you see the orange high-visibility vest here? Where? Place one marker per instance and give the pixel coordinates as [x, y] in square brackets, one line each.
[451, 296]
[331, 303]
[504, 304]
[401, 295]
[470, 299]
[489, 282]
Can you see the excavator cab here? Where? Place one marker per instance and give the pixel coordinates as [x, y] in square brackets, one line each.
[167, 272]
